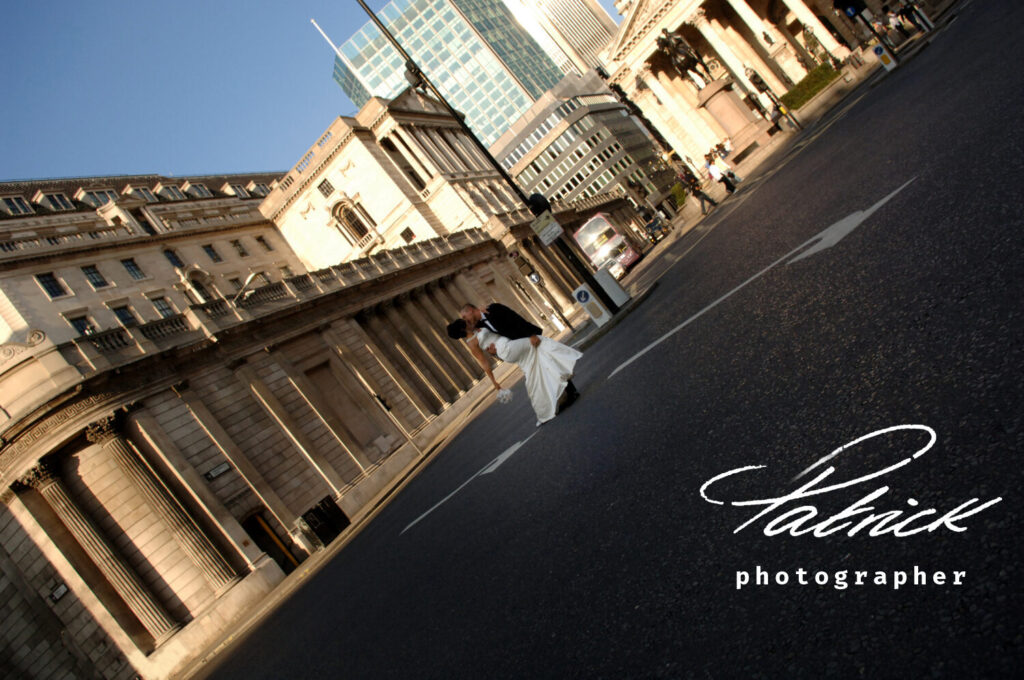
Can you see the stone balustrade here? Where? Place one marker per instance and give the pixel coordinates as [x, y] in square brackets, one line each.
[165, 328]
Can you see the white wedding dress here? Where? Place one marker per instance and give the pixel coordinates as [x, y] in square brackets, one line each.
[547, 368]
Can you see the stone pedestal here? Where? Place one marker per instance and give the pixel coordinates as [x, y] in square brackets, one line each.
[742, 125]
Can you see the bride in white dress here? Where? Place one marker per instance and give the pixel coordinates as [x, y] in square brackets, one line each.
[547, 364]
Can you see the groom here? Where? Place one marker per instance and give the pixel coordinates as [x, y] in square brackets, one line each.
[504, 321]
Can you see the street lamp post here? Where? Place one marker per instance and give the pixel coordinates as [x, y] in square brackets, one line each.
[416, 77]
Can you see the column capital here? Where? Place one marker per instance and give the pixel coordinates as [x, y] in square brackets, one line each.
[699, 18]
[103, 430]
[45, 473]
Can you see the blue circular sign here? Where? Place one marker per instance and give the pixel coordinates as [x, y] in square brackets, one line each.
[878, 50]
[583, 296]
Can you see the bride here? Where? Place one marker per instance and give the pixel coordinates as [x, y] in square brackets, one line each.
[546, 364]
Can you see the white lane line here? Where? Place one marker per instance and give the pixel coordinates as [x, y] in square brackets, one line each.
[485, 470]
[821, 241]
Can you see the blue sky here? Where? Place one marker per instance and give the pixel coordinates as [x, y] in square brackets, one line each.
[187, 87]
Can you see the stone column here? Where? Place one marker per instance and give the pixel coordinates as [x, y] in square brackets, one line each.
[568, 279]
[430, 300]
[143, 427]
[107, 435]
[433, 332]
[399, 365]
[728, 56]
[277, 412]
[363, 374]
[689, 122]
[240, 461]
[46, 480]
[416, 154]
[439, 153]
[312, 396]
[420, 359]
[515, 299]
[807, 18]
[759, 30]
[465, 159]
[553, 282]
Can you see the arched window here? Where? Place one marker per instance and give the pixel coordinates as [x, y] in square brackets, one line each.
[353, 220]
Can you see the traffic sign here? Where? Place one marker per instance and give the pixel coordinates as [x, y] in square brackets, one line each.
[546, 227]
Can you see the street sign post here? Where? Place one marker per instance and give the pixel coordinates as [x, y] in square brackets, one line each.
[884, 56]
[547, 228]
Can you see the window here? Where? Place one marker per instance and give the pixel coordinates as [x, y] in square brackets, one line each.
[199, 191]
[145, 194]
[173, 258]
[133, 269]
[259, 189]
[83, 325]
[263, 242]
[349, 221]
[97, 197]
[163, 307]
[51, 284]
[93, 276]
[58, 202]
[239, 191]
[326, 188]
[201, 290]
[16, 205]
[125, 315]
[236, 282]
[171, 192]
[212, 252]
[239, 248]
[407, 235]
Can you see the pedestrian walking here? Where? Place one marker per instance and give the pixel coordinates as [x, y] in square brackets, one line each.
[717, 175]
[692, 185]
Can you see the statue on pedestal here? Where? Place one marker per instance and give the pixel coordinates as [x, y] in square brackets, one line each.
[686, 60]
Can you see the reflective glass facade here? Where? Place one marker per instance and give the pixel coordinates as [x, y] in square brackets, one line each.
[476, 54]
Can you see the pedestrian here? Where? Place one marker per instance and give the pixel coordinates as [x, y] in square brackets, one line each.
[692, 184]
[717, 175]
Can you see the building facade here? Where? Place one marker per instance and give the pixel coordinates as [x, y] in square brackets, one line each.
[187, 411]
[572, 32]
[578, 141]
[780, 40]
[400, 172]
[474, 51]
[170, 447]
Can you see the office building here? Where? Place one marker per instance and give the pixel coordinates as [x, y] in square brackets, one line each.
[478, 56]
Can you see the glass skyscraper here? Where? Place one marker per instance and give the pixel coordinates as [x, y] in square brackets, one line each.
[474, 51]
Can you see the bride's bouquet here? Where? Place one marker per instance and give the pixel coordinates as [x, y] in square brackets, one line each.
[504, 396]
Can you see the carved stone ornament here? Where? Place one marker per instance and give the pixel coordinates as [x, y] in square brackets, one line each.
[9, 350]
[46, 472]
[104, 429]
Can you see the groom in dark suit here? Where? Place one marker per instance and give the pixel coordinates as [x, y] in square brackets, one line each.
[506, 322]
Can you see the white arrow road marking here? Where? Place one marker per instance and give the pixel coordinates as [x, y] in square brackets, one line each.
[819, 242]
[485, 470]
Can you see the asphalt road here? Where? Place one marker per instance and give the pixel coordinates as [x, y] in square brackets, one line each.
[589, 551]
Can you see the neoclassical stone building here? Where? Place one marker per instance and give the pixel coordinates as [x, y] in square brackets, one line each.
[399, 172]
[187, 411]
[780, 40]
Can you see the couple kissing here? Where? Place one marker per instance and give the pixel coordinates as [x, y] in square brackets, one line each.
[547, 365]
